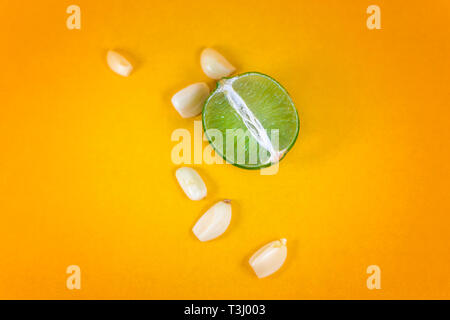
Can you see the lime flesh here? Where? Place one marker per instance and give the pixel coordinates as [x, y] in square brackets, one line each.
[250, 120]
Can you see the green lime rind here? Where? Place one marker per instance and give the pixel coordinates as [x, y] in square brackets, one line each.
[286, 96]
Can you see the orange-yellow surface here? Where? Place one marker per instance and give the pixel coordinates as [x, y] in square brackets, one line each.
[86, 176]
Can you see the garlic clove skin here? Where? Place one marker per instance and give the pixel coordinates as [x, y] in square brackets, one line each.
[269, 258]
[191, 183]
[214, 65]
[190, 100]
[118, 63]
[214, 222]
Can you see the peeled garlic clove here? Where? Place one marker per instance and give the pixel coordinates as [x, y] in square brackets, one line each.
[214, 222]
[190, 100]
[118, 63]
[269, 258]
[214, 65]
[191, 183]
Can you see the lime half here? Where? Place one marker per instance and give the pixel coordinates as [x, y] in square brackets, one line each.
[250, 120]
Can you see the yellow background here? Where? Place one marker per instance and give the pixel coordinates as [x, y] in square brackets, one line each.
[86, 176]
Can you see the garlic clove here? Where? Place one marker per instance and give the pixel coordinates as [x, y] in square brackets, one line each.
[118, 63]
[190, 100]
[269, 258]
[191, 183]
[214, 222]
[214, 65]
